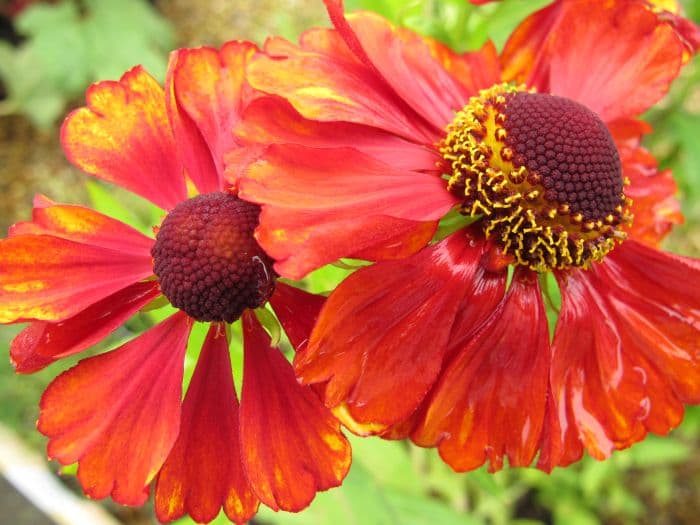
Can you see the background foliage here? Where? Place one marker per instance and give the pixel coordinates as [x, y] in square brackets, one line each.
[61, 47]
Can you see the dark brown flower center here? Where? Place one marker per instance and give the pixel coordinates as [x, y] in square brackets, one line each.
[207, 260]
[543, 173]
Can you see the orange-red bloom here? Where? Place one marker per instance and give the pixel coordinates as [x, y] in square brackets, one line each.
[78, 275]
[381, 133]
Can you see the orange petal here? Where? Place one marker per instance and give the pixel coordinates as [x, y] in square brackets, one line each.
[123, 136]
[381, 321]
[617, 59]
[624, 354]
[310, 219]
[272, 120]
[50, 278]
[206, 94]
[489, 402]
[414, 66]
[292, 445]
[203, 472]
[41, 343]
[118, 414]
[83, 225]
[525, 57]
[333, 85]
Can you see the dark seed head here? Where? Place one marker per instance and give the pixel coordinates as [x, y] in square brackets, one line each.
[207, 261]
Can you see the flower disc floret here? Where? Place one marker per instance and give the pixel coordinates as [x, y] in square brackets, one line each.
[207, 261]
[543, 173]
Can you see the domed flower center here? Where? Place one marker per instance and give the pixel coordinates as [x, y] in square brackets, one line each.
[542, 172]
[207, 261]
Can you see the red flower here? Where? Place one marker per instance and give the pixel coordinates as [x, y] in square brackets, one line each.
[78, 275]
[381, 133]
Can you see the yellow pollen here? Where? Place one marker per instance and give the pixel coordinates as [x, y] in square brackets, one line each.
[521, 208]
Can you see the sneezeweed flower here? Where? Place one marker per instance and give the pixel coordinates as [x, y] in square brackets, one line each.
[77, 275]
[382, 135]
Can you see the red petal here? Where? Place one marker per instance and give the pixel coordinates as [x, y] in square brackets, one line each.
[624, 352]
[292, 445]
[51, 279]
[384, 319]
[123, 136]
[207, 93]
[526, 55]
[616, 59]
[490, 400]
[41, 343]
[272, 120]
[118, 414]
[654, 204]
[203, 472]
[297, 312]
[360, 184]
[414, 66]
[332, 85]
[83, 225]
[302, 241]
[656, 297]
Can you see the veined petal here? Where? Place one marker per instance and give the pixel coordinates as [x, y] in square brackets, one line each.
[272, 120]
[42, 343]
[203, 472]
[489, 402]
[292, 445]
[333, 85]
[206, 94]
[380, 322]
[83, 225]
[624, 355]
[297, 311]
[51, 279]
[123, 136]
[616, 59]
[315, 180]
[118, 414]
[655, 296]
[302, 241]
[414, 66]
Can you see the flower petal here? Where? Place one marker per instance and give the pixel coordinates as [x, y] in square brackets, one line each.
[123, 136]
[42, 343]
[381, 321]
[332, 84]
[297, 311]
[315, 219]
[272, 120]
[359, 184]
[292, 445]
[489, 402]
[616, 59]
[203, 472]
[301, 241]
[414, 66]
[624, 356]
[51, 279]
[206, 95]
[118, 414]
[654, 204]
[83, 225]
[526, 55]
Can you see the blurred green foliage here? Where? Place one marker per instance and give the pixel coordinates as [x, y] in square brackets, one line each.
[390, 483]
[72, 43]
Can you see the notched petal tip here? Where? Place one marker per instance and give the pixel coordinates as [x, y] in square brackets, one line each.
[292, 445]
